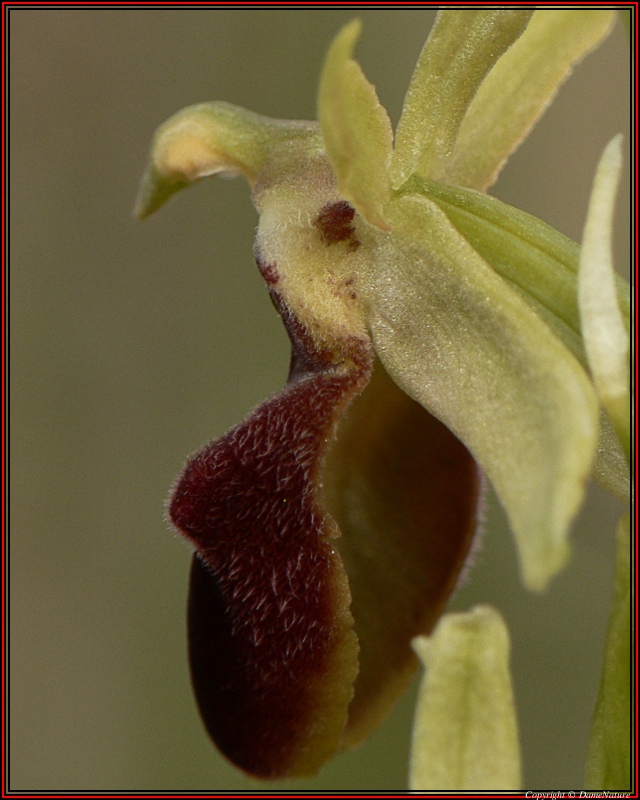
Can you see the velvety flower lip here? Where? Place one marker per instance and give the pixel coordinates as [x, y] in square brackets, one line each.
[273, 653]
[331, 525]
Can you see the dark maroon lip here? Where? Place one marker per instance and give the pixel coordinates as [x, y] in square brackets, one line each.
[269, 598]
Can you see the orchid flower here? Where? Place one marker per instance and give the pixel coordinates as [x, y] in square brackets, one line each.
[435, 339]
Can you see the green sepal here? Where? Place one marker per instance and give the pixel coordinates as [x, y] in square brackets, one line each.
[519, 88]
[465, 734]
[459, 53]
[459, 340]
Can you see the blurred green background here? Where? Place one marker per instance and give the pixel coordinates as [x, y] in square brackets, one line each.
[132, 344]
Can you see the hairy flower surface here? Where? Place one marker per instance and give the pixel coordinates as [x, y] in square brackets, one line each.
[432, 329]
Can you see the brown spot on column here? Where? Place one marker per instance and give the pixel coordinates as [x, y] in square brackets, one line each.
[335, 223]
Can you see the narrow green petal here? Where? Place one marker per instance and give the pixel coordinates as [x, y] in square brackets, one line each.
[465, 734]
[609, 760]
[461, 49]
[356, 129]
[605, 335]
[519, 88]
[406, 495]
[460, 341]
